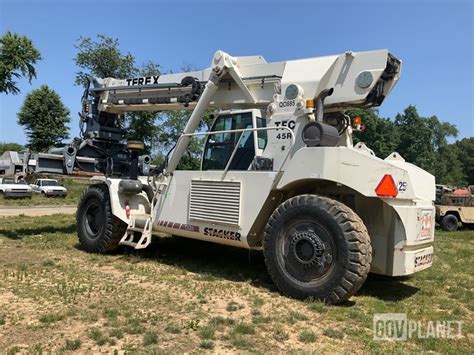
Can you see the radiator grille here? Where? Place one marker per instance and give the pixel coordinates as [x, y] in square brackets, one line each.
[215, 201]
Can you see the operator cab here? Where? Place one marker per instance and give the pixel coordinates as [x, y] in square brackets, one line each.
[226, 149]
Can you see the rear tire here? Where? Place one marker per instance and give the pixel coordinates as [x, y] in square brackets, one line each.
[99, 231]
[316, 247]
[449, 223]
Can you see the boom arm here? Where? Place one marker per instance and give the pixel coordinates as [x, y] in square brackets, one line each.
[358, 80]
[351, 79]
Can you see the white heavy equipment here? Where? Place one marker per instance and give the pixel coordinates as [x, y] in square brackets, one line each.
[279, 172]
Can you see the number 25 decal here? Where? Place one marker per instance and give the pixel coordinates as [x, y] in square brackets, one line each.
[402, 186]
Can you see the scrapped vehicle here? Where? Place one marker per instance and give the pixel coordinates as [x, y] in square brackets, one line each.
[10, 189]
[454, 208]
[49, 188]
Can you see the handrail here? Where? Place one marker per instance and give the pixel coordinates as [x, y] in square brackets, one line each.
[242, 130]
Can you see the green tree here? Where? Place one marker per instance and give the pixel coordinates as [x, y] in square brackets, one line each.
[44, 117]
[4, 147]
[102, 58]
[448, 168]
[416, 143]
[466, 156]
[379, 134]
[18, 57]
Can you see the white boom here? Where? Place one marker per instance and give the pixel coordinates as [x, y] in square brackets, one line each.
[251, 82]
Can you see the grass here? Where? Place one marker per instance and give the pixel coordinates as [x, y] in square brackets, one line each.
[74, 186]
[207, 344]
[97, 335]
[51, 317]
[72, 344]
[333, 333]
[307, 336]
[186, 296]
[150, 338]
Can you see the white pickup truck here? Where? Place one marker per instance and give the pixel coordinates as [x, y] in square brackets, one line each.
[10, 189]
[49, 188]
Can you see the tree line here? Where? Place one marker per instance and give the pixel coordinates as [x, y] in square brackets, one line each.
[423, 141]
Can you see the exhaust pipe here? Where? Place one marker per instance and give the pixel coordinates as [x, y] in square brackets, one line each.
[320, 103]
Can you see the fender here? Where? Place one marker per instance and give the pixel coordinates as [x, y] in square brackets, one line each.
[138, 203]
[359, 170]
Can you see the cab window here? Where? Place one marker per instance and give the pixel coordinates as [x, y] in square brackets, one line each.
[219, 147]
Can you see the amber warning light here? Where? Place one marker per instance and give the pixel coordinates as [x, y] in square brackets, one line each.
[386, 187]
[357, 124]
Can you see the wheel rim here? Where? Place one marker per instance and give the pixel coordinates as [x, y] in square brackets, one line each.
[307, 251]
[93, 219]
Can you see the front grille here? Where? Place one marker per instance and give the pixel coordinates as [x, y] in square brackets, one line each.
[215, 201]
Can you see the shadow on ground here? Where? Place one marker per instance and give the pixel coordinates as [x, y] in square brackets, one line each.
[211, 261]
[208, 260]
[387, 288]
[21, 233]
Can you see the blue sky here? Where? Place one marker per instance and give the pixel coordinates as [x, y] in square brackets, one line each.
[433, 38]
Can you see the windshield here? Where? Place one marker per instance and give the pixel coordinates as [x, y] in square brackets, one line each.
[50, 183]
[8, 181]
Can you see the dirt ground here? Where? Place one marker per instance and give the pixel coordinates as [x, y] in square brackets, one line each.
[188, 296]
[8, 211]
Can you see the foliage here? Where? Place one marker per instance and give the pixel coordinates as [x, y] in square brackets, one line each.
[44, 117]
[102, 58]
[17, 59]
[422, 141]
[379, 133]
[416, 139]
[466, 156]
[4, 147]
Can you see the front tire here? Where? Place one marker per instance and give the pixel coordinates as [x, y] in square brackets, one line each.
[449, 223]
[316, 247]
[99, 231]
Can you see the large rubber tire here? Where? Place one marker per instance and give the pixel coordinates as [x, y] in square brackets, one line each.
[99, 231]
[449, 223]
[316, 247]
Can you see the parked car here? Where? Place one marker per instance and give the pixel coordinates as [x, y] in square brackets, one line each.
[49, 187]
[10, 189]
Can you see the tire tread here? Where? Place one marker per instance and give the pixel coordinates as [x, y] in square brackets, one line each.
[355, 234]
[114, 227]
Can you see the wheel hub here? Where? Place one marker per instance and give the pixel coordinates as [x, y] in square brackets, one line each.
[307, 250]
[93, 220]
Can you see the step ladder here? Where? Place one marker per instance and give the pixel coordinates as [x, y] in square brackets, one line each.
[134, 231]
[144, 233]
